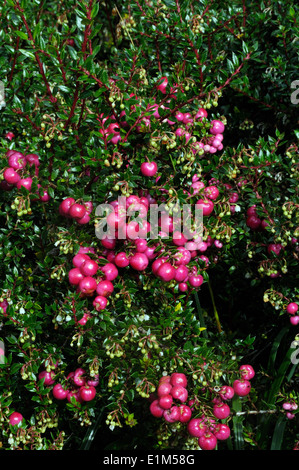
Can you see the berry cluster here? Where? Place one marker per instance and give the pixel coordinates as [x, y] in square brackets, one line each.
[73, 210]
[253, 221]
[16, 174]
[172, 395]
[292, 309]
[288, 407]
[171, 403]
[78, 387]
[212, 135]
[83, 276]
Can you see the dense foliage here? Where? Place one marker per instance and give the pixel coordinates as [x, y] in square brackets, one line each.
[158, 102]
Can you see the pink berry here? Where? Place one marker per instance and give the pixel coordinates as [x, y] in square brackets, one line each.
[241, 387]
[247, 371]
[15, 418]
[292, 308]
[149, 168]
[208, 441]
[221, 431]
[221, 410]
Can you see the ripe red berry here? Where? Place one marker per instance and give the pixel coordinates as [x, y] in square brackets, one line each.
[241, 387]
[292, 308]
[149, 168]
[208, 441]
[221, 410]
[178, 378]
[247, 371]
[15, 418]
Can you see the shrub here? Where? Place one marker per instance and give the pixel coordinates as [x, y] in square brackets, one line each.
[137, 105]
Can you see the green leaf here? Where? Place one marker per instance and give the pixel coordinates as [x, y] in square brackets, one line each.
[22, 35]
[237, 423]
[278, 433]
[95, 10]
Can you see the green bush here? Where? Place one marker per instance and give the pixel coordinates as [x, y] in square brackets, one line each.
[91, 90]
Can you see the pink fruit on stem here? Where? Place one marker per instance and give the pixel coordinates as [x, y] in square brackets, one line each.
[105, 288]
[185, 413]
[247, 371]
[110, 271]
[253, 222]
[47, 376]
[172, 415]
[9, 135]
[11, 176]
[183, 286]
[208, 441]
[94, 381]
[77, 211]
[25, 183]
[108, 243]
[89, 267]
[84, 220]
[217, 127]
[196, 427]
[84, 319]
[166, 401]
[87, 285]
[65, 206]
[164, 388]
[178, 378]
[294, 320]
[165, 379]
[166, 272]
[181, 273]
[79, 377]
[241, 387]
[274, 248]
[116, 219]
[292, 308]
[139, 261]
[221, 410]
[32, 159]
[141, 245]
[15, 418]
[149, 168]
[195, 280]
[17, 161]
[179, 238]
[100, 302]
[226, 392]
[43, 194]
[179, 393]
[156, 409]
[221, 432]
[59, 392]
[212, 192]
[87, 392]
[121, 260]
[79, 259]
[162, 85]
[201, 113]
[74, 395]
[206, 205]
